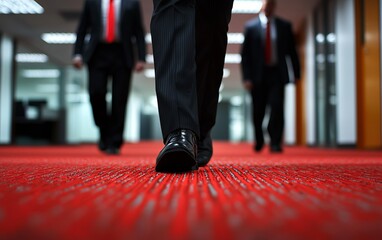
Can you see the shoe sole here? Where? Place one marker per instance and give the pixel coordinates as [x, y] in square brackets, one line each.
[175, 162]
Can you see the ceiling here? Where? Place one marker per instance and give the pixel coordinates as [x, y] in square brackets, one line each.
[62, 16]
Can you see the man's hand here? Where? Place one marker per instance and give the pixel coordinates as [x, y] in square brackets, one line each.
[248, 85]
[139, 66]
[77, 62]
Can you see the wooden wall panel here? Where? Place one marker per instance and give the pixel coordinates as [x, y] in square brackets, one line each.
[369, 131]
[300, 90]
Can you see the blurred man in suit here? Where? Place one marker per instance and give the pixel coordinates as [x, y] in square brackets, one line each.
[268, 45]
[189, 43]
[116, 33]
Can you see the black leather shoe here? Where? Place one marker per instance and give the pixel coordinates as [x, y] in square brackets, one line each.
[102, 146]
[178, 154]
[112, 151]
[258, 147]
[204, 151]
[276, 148]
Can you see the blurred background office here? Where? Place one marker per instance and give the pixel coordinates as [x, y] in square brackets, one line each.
[337, 103]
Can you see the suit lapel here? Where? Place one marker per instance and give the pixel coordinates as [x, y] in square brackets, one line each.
[278, 33]
[258, 31]
[259, 27]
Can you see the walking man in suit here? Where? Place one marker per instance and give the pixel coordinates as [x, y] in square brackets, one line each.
[116, 31]
[268, 45]
[189, 42]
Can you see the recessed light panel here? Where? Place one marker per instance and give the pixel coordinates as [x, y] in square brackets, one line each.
[41, 73]
[59, 38]
[20, 7]
[246, 6]
[31, 58]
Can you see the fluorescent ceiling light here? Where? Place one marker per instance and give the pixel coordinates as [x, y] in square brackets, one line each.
[247, 6]
[41, 73]
[320, 38]
[150, 73]
[331, 38]
[148, 38]
[232, 58]
[237, 101]
[150, 58]
[235, 38]
[226, 73]
[20, 7]
[59, 38]
[31, 58]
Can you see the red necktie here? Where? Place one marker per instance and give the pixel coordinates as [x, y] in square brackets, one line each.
[268, 44]
[110, 35]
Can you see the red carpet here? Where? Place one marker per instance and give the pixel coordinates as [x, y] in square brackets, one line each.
[74, 192]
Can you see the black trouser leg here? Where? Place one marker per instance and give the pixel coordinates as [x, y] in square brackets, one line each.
[259, 103]
[120, 91]
[212, 19]
[108, 61]
[173, 37]
[276, 103]
[97, 87]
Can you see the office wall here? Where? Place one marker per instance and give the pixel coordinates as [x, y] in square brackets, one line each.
[80, 125]
[29, 89]
[300, 90]
[290, 115]
[310, 83]
[6, 88]
[79, 118]
[368, 45]
[133, 118]
[346, 73]
[380, 25]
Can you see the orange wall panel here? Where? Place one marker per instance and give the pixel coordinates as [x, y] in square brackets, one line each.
[300, 93]
[369, 76]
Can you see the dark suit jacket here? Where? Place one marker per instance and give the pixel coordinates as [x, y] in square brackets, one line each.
[130, 29]
[252, 51]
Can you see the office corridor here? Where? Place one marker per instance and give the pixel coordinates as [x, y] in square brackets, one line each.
[75, 192]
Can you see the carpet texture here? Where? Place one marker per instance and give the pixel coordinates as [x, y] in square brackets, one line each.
[75, 192]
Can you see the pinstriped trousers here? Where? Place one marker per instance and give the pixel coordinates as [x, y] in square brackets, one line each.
[189, 43]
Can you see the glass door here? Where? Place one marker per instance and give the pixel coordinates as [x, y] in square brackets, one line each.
[325, 86]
